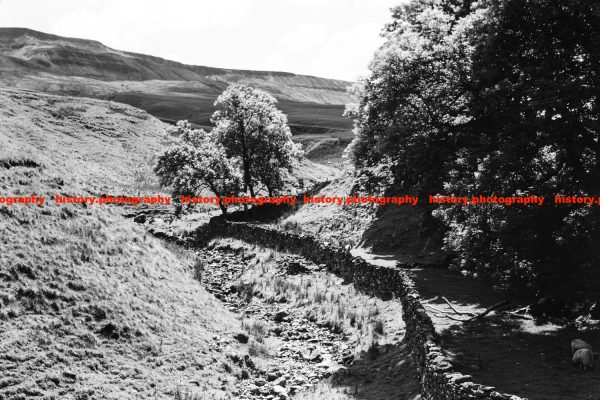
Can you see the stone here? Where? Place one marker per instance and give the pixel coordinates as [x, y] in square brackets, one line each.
[457, 378]
[281, 381]
[70, 377]
[110, 330]
[271, 376]
[280, 316]
[280, 391]
[248, 361]
[233, 356]
[277, 331]
[253, 389]
[295, 389]
[241, 337]
[260, 382]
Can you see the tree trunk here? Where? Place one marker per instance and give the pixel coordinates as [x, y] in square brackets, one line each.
[245, 157]
[216, 192]
[223, 209]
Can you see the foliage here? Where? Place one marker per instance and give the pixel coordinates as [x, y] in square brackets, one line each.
[415, 101]
[250, 145]
[495, 98]
[535, 131]
[251, 128]
[197, 162]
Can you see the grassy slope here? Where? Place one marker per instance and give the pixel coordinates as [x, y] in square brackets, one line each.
[198, 108]
[169, 90]
[335, 223]
[320, 127]
[390, 229]
[91, 306]
[38, 51]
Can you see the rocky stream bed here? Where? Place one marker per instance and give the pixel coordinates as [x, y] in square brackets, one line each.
[300, 323]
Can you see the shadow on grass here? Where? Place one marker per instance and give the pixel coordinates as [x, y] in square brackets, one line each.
[516, 356]
[435, 283]
[396, 230]
[522, 358]
[382, 374]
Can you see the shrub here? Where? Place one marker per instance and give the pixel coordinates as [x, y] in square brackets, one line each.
[65, 111]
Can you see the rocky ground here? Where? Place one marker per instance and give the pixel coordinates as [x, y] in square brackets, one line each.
[301, 324]
[304, 351]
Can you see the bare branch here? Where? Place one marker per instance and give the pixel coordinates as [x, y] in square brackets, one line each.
[455, 310]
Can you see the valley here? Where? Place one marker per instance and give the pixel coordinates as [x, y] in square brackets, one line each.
[111, 312]
[185, 232]
[246, 321]
[169, 90]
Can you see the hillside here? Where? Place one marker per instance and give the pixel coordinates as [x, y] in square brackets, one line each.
[166, 89]
[391, 230]
[100, 309]
[88, 58]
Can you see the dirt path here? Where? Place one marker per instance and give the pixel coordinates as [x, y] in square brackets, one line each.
[514, 355]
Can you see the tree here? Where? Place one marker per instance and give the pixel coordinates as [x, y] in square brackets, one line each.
[415, 103]
[536, 118]
[251, 128]
[410, 12]
[496, 98]
[197, 162]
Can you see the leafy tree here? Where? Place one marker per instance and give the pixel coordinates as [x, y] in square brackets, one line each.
[195, 163]
[536, 131]
[415, 103]
[251, 128]
[409, 12]
[495, 98]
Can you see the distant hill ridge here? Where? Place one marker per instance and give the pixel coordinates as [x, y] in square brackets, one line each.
[169, 90]
[89, 58]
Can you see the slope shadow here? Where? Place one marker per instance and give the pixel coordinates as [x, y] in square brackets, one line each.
[382, 373]
[433, 283]
[518, 357]
[396, 230]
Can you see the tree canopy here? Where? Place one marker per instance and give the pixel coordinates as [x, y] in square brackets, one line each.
[252, 129]
[195, 163]
[251, 144]
[495, 98]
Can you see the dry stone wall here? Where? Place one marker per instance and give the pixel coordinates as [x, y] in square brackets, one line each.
[438, 379]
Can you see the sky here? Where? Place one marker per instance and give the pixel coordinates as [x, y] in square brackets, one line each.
[328, 38]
